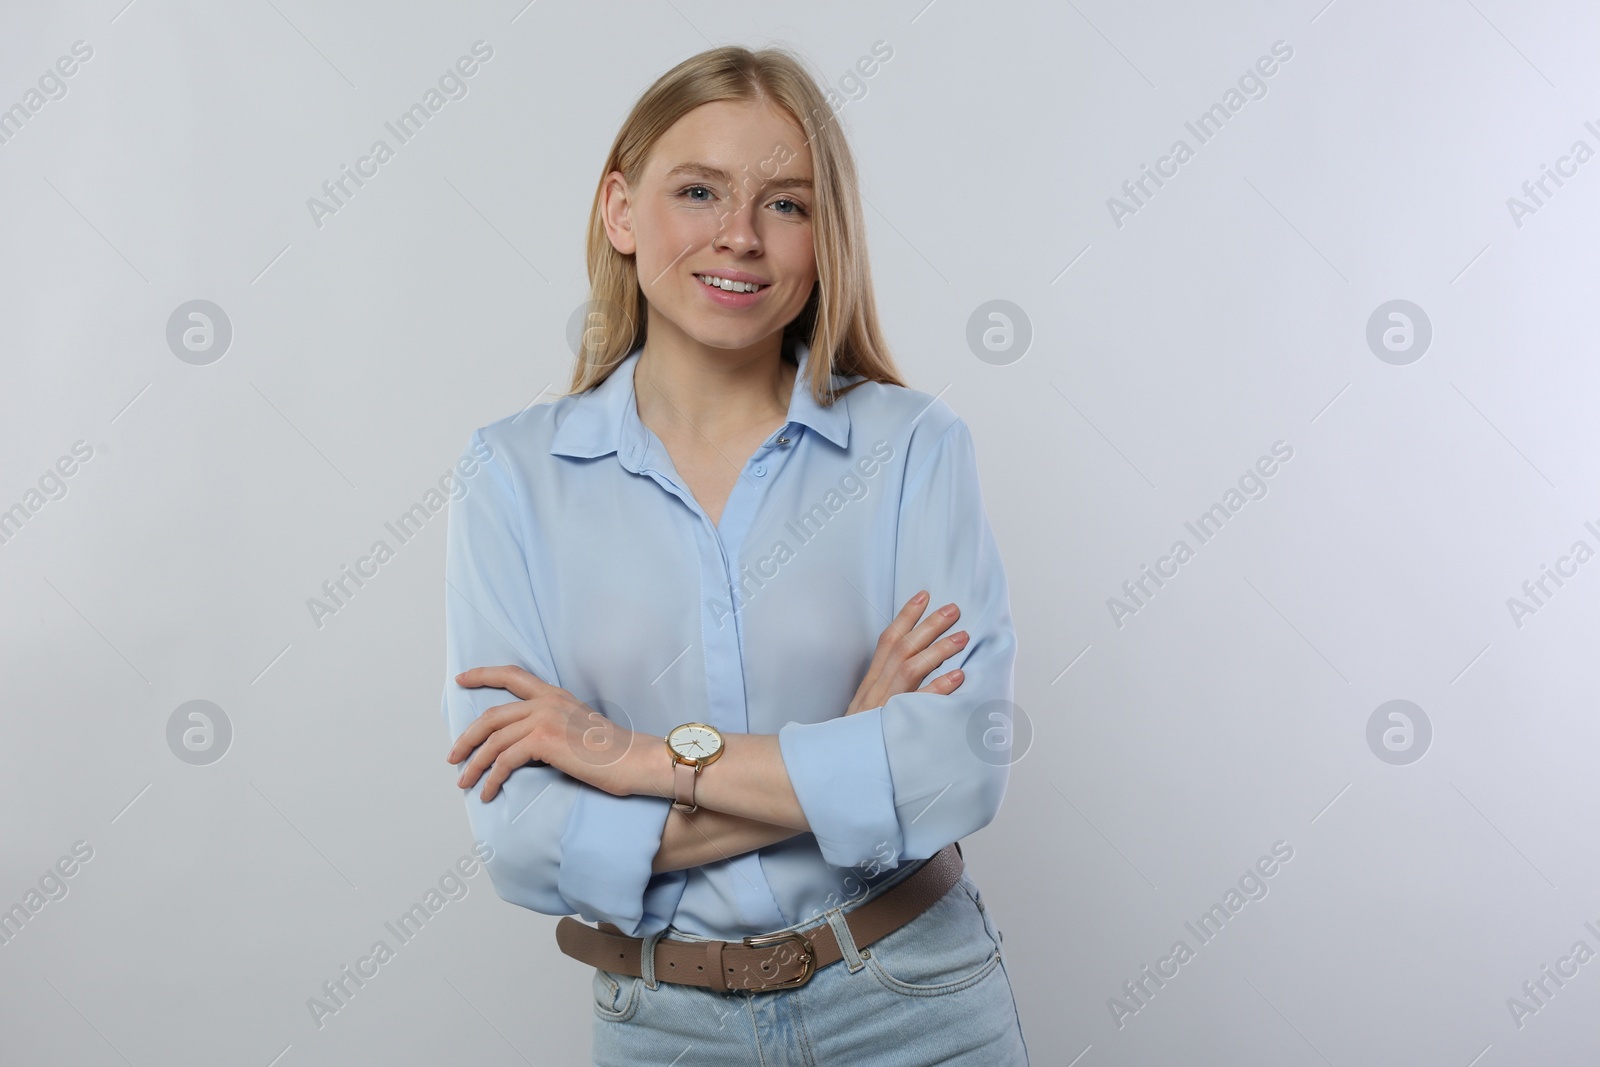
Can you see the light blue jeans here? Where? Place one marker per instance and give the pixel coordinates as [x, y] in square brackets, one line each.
[935, 991]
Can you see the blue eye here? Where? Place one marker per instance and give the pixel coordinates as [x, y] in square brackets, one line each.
[798, 208]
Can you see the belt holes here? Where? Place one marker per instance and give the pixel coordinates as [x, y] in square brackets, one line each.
[671, 964]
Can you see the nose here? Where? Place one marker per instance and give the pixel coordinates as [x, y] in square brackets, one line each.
[736, 230]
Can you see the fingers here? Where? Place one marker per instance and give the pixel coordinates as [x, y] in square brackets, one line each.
[907, 618]
[914, 669]
[883, 655]
[499, 756]
[482, 757]
[896, 635]
[514, 680]
[515, 755]
[476, 731]
[919, 651]
[935, 624]
[945, 683]
[908, 641]
[482, 727]
[907, 650]
[905, 637]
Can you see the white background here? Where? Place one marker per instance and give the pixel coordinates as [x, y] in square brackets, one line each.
[1168, 354]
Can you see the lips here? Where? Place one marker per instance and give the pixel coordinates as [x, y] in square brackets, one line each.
[727, 284]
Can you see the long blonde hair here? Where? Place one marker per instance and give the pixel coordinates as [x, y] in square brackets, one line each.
[839, 322]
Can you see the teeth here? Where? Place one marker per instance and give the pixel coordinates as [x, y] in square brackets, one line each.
[728, 286]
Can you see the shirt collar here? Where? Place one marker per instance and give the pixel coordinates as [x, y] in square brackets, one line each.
[605, 419]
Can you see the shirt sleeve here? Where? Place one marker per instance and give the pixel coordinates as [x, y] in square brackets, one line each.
[560, 845]
[901, 781]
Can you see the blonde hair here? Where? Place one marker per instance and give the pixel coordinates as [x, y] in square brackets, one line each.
[839, 323]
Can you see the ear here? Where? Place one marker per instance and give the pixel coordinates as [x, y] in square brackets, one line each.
[616, 213]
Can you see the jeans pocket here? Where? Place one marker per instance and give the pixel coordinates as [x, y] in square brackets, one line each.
[616, 996]
[947, 948]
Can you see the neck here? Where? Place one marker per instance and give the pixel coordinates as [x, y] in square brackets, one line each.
[683, 386]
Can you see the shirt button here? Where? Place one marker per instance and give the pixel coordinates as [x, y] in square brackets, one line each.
[759, 469]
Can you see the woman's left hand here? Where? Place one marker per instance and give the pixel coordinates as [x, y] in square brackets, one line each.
[547, 724]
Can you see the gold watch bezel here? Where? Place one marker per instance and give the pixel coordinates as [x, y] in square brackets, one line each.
[693, 761]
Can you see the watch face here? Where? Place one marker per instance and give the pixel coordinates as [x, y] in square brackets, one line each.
[694, 741]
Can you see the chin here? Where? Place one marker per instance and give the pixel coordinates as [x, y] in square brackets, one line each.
[727, 334]
[732, 342]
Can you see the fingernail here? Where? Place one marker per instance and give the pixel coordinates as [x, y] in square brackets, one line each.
[920, 598]
[949, 611]
[960, 638]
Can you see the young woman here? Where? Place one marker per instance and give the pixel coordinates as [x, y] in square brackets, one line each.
[714, 540]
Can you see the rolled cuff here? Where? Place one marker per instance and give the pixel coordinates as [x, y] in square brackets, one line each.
[607, 850]
[840, 772]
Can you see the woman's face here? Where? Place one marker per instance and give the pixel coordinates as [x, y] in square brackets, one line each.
[726, 192]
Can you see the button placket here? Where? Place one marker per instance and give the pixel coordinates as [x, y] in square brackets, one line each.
[724, 646]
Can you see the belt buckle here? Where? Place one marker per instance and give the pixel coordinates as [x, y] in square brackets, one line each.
[808, 957]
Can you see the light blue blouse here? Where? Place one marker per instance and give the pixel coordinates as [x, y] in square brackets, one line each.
[576, 552]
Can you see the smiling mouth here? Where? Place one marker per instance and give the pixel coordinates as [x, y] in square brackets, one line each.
[727, 286]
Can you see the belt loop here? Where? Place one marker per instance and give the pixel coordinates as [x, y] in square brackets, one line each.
[647, 958]
[847, 940]
[714, 972]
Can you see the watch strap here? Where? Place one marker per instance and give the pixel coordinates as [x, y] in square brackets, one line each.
[683, 779]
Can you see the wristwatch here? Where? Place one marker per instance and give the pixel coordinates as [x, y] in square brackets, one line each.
[692, 746]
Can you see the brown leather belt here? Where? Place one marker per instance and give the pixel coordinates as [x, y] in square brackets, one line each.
[764, 962]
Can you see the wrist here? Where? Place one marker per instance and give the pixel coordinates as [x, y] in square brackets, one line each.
[649, 771]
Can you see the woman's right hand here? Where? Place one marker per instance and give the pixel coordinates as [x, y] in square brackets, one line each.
[907, 651]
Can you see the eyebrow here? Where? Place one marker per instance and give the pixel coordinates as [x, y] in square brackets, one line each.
[706, 170]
